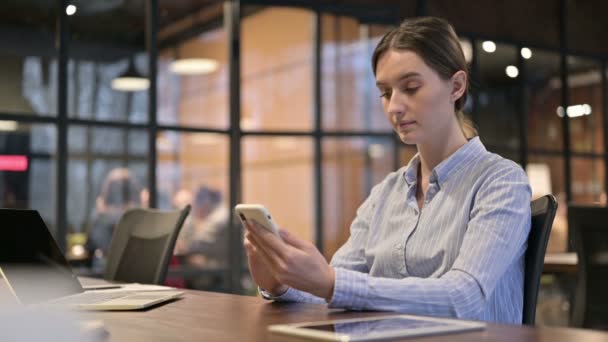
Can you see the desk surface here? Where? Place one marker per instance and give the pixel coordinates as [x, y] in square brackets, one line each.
[207, 316]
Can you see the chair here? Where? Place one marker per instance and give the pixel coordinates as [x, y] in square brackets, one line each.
[142, 245]
[589, 227]
[543, 212]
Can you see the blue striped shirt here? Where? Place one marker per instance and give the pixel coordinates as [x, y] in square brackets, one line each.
[461, 255]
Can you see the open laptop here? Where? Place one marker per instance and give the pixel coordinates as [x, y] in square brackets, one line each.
[37, 272]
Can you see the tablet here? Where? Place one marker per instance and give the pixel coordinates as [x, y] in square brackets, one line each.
[376, 328]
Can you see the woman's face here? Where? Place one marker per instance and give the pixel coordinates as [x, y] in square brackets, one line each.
[417, 102]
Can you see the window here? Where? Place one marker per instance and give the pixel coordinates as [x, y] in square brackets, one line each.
[193, 79]
[277, 70]
[27, 168]
[585, 106]
[278, 172]
[350, 99]
[497, 94]
[543, 98]
[351, 167]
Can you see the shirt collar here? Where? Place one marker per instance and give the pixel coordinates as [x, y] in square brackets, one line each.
[450, 166]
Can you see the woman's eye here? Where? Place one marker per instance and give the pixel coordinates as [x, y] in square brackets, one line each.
[385, 95]
[411, 90]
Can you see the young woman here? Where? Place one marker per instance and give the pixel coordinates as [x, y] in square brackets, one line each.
[445, 235]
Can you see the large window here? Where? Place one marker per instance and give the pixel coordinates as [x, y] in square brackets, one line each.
[312, 160]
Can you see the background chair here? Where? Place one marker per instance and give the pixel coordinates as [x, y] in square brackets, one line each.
[543, 213]
[589, 227]
[142, 245]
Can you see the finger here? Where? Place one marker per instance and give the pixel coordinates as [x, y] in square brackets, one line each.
[249, 247]
[293, 240]
[268, 240]
[271, 261]
[259, 244]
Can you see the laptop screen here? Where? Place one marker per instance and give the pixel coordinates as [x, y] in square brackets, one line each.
[30, 259]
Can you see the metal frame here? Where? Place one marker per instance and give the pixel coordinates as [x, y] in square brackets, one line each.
[62, 127]
[563, 19]
[232, 23]
[604, 81]
[233, 12]
[318, 139]
[152, 46]
[523, 110]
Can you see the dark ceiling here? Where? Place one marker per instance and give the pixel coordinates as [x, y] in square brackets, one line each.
[112, 28]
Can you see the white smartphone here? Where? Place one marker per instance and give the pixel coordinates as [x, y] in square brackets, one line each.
[257, 213]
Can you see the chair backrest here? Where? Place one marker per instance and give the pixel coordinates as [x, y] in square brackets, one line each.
[142, 245]
[543, 213]
[589, 227]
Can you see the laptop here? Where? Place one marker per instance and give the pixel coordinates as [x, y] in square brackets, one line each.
[37, 272]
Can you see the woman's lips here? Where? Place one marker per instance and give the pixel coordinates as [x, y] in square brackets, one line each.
[406, 124]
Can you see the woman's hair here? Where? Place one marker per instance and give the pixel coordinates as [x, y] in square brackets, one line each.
[436, 42]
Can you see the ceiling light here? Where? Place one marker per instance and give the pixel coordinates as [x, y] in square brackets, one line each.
[194, 66]
[130, 80]
[574, 111]
[512, 71]
[526, 53]
[8, 125]
[70, 10]
[488, 46]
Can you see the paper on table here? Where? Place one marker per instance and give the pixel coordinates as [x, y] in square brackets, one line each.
[136, 287]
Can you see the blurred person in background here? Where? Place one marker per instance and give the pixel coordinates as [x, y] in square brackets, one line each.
[120, 191]
[203, 241]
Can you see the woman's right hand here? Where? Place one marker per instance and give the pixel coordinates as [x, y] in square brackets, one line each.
[260, 272]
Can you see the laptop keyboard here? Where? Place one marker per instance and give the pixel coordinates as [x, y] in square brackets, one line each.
[92, 298]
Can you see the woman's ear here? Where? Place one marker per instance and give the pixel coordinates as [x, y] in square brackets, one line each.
[459, 85]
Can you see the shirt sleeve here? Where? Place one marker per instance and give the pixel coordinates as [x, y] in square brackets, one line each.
[349, 256]
[496, 238]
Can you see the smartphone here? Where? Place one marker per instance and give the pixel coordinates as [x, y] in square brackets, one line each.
[257, 213]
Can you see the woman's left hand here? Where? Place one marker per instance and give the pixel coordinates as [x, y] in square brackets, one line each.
[294, 262]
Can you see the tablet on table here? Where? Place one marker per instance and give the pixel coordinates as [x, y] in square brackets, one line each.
[376, 328]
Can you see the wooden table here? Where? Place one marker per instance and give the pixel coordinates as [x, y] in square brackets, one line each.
[561, 263]
[207, 316]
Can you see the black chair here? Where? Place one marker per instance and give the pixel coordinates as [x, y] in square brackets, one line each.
[589, 227]
[543, 213]
[142, 245]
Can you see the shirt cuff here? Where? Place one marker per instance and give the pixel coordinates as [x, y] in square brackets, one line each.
[350, 289]
[286, 296]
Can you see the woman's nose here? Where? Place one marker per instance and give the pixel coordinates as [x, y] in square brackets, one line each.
[396, 105]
